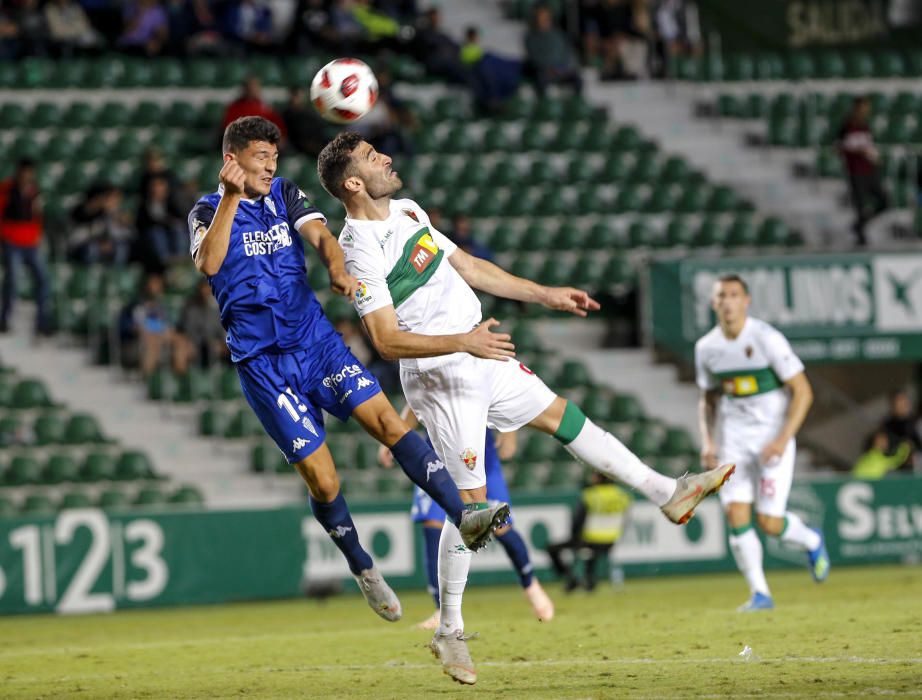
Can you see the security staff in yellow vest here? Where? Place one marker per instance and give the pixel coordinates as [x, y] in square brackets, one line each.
[598, 522]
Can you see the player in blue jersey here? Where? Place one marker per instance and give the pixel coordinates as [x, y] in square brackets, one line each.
[290, 360]
[430, 515]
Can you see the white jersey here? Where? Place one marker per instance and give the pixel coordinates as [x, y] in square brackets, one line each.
[750, 371]
[403, 262]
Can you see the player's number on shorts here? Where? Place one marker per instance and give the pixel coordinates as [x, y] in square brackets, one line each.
[39, 544]
[285, 402]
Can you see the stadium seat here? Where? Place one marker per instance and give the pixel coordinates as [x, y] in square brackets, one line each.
[97, 466]
[7, 509]
[10, 431]
[82, 429]
[45, 115]
[677, 443]
[774, 232]
[229, 384]
[644, 443]
[626, 409]
[194, 385]
[60, 468]
[133, 465]
[150, 496]
[679, 232]
[187, 495]
[75, 499]
[266, 458]
[147, 113]
[742, 232]
[243, 423]
[113, 499]
[30, 393]
[37, 504]
[13, 116]
[859, 64]
[596, 405]
[538, 448]
[830, 65]
[212, 421]
[48, 429]
[23, 469]
[573, 375]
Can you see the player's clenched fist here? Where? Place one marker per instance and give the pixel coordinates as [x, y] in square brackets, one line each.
[232, 177]
[481, 342]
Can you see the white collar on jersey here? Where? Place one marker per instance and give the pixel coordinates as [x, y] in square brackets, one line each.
[249, 201]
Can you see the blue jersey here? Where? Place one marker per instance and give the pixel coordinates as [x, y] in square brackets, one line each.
[267, 305]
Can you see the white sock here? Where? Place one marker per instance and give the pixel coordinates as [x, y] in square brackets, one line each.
[796, 532]
[603, 451]
[747, 551]
[454, 563]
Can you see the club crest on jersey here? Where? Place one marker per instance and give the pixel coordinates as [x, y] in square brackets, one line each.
[424, 253]
[469, 457]
[748, 351]
[411, 214]
[271, 205]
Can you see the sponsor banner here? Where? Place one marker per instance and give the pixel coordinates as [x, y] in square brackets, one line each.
[833, 308]
[87, 560]
[781, 25]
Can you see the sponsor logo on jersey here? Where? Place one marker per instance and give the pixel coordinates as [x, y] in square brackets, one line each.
[433, 467]
[741, 386]
[411, 214]
[386, 238]
[469, 457]
[266, 242]
[347, 371]
[339, 532]
[362, 297]
[364, 383]
[423, 253]
[271, 205]
[299, 444]
[306, 422]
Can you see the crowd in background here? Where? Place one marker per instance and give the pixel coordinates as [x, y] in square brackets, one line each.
[896, 444]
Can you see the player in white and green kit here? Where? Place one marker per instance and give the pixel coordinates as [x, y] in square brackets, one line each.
[754, 398]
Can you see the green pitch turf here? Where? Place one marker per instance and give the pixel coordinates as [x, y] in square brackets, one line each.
[858, 635]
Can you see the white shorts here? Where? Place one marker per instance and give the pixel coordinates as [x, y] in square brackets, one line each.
[767, 486]
[456, 401]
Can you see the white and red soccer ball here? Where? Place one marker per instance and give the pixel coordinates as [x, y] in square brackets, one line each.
[344, 90]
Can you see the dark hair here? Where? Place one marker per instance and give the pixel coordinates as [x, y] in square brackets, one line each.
[24, 164]
[733, 277]
[334, 164]
[240, 132]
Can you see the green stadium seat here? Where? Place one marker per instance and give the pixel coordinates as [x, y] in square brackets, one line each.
[628, 199]
[694, 198]
[663, 198]
[242, 424]
[740, 67]
[589, 271]
[677, 443]
[212, 421]
[97, 466]
[58, 148]
[8, 75]
[194, 385]
[537, 448]
[551, 203]
[579, 170]
[30, 393]
[709, 233]
[45, 115]
[642, 235]
[10, 431]
[80, 115]
[618, 272]
[830, 65]
[742, 232]
[799, 66]
[133, 465]
[859, 64]
[644, 443]
[37, 504]
[7, 509]
[625, 408]
[773, 232]
[543, 172]
[167, 72]
[723, 199]
[568, 138]
[23, 469]
[187, 495]
[113, 499]
[769, 66]
[112, 114]
[829, 163]
[914, 63]
[229, 385]
[553, 273]
[35, 73]
[568, 237]
[150, 496]
[679, 232]
[266, 458]
[730, 106]
[82, 429]
[27, 147]
[48, 429]
[60, 468]
[573, 375]
[686, 68]
[75, 499]
[533, 140]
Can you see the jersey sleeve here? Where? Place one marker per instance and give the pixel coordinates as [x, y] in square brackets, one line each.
[705, 380]
[780, 355]
[298, 206]
[367, 265]
[199, 220]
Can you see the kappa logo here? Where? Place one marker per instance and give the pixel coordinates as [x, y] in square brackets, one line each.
[339, 532]
[299, 444]
[469, 457]
[433, 467]
[364, 383]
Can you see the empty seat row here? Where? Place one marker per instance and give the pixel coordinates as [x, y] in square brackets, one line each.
[110, 499]
[26, 468]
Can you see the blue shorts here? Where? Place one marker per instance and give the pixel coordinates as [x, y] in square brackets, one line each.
[424, 508]
[287, 393]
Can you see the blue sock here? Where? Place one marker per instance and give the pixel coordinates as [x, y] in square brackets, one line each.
[415, 458]
[431, 536]
[515, 547]
[335, 519]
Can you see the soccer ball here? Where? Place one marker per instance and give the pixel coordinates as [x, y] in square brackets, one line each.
[344, 90]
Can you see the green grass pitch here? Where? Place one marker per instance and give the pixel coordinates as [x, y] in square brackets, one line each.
[858, 635]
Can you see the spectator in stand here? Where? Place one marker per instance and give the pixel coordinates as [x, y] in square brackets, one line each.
[549, 56]
[307, 131]
[463, 237]
[617, 31]
[250, 104]
[146, 28]
[105, 16]
[877, 461]
[147, 322]
[33, 29]
[856, 146]
[193, 28]
[200, 327]
[900, 427]
[21, 235]
[493, 78]
[9, 35]
[250, 24]
[161, 227]
[69, 28]
[677, 32]
[100, 231]
[437, 51]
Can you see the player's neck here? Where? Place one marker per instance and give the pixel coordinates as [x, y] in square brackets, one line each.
[732, 329]
[369, 209]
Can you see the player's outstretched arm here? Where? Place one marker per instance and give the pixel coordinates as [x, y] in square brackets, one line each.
[707, 419]
[799, 406]
[319, 237]
[213, 247]
[393, 343]
[487, 277]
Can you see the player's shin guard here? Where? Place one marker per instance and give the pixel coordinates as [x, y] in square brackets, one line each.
[747, 551]
[515, 548]
[603, 451]
[426, 470]
[335, 519]
[454, 563]
[431, 537]
[796, 532]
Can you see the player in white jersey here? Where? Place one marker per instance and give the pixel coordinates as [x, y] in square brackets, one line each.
[416, 301]
[754, 398]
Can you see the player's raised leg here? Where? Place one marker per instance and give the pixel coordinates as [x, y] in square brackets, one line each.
[601, 450]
